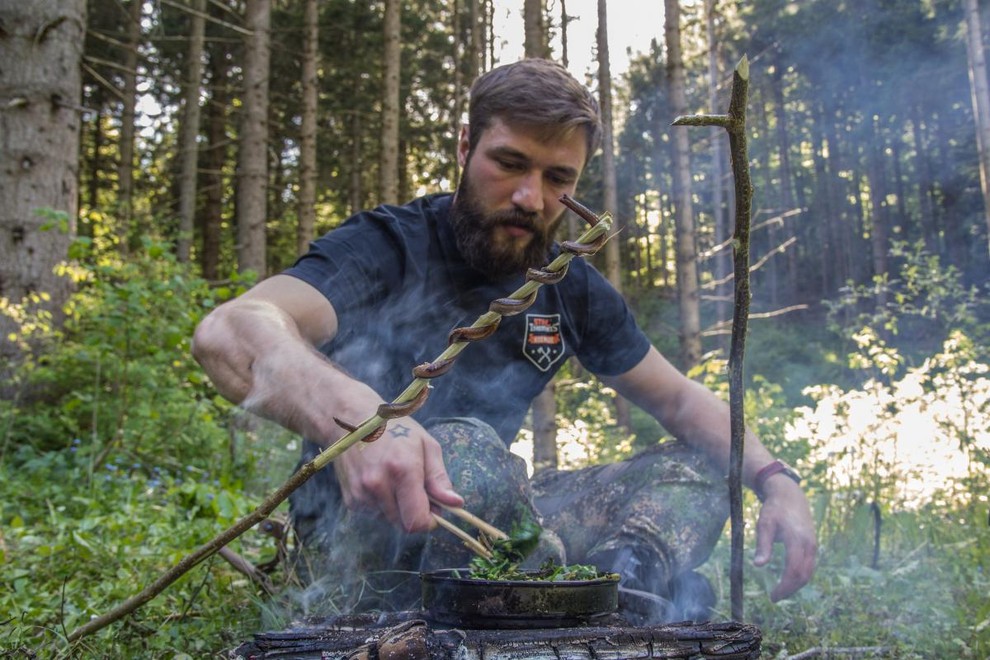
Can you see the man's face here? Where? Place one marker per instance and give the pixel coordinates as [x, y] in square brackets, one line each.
[507, 207]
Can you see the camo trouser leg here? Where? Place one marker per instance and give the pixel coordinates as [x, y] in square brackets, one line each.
[352, 561]
[664, 507]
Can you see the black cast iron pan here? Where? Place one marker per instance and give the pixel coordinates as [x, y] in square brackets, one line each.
[451, 599]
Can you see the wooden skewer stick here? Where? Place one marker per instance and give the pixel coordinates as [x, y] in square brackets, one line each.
[472, 519]
[464, 536]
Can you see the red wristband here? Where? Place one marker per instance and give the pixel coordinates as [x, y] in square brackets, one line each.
[775, 467]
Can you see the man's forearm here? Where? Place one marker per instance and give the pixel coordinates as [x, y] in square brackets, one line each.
[256, 358]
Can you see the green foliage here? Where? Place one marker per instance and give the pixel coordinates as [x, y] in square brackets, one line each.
[587, 431]
[926, 598]
[74, 544]
[865, 442]
[118, 376]
[765, 408]
[920, 305]
[116, 460]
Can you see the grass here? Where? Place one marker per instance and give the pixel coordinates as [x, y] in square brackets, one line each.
[74, 545]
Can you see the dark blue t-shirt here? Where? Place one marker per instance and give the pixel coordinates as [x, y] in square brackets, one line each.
[398, 284]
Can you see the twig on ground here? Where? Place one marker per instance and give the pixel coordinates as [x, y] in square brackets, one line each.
[840, 651]
[247, 568]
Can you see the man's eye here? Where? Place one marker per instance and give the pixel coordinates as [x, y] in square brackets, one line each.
[511, 165]
[560, 179]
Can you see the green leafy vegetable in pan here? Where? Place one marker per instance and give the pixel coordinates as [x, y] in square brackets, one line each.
[508, 553]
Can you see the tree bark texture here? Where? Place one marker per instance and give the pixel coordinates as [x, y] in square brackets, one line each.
[720, 216]
[479, 18]
[355, 190]
[305, 231]
[981, 97]
[564, 20]
[687, 266]
[40, 86]
[189, 131]
[215, 158]
[786, 269]
[536, 42]
[252, 175]
[544, 407]
[389, 167]
[735, 123]
[125, 166]
[613, 258]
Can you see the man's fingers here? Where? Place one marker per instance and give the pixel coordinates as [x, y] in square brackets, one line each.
[800, 549]
[799, 568]
[437, 482]
[765, 534]
[413, 505]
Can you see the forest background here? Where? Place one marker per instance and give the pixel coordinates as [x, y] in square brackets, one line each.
[159, 157]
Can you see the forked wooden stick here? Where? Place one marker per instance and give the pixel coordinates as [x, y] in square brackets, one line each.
[735, 124]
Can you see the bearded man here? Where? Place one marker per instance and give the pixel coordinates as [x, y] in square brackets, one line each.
[338, 333]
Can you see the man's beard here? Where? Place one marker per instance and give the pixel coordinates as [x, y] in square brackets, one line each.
[474, 230]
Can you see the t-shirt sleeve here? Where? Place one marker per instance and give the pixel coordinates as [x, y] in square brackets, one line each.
[612, 342]
[354, 265]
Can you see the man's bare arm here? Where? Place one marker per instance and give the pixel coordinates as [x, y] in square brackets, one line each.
[692, 412]
[259, 350]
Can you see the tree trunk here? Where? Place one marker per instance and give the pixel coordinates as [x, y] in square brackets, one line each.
[572, 223]
[981, 97]
[687, 267]
[252, 176]
[536, 42]
[787, 266]
[389, 167]
[828, 235]
[215, 157]
[189, 132]
[565, 19]
[722, 265]
[478, 41]
[925, 180]
[307, 137]
[95, 161]
[613, 261]
[125, 167]
[356, 188]
[544, 406]
[544, 409]
[41, 45]
[878, 201]
[490, 31]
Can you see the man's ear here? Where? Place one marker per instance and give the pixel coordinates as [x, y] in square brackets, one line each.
[463, 145]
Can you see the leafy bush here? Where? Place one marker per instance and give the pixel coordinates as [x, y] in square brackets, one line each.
[118, 378]
[116, 460]
[922, 304]
[75, 544]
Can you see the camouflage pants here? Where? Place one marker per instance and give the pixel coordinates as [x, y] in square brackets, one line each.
[667, 502]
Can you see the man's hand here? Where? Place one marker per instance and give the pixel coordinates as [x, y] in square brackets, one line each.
[786, 517]
[396, 475]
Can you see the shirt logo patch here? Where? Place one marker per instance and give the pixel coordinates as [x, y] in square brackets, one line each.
[543, 345]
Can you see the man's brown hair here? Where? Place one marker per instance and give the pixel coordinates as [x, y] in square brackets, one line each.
[538, 93]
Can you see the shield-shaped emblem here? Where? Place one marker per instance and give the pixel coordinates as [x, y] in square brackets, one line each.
[543, 345]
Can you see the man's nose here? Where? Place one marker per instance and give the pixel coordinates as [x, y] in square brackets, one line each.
[529, 193]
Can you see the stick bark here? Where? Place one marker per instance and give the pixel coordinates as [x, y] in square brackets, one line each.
[735, 124]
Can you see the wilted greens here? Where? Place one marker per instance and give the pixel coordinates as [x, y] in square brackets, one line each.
[508, 553]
